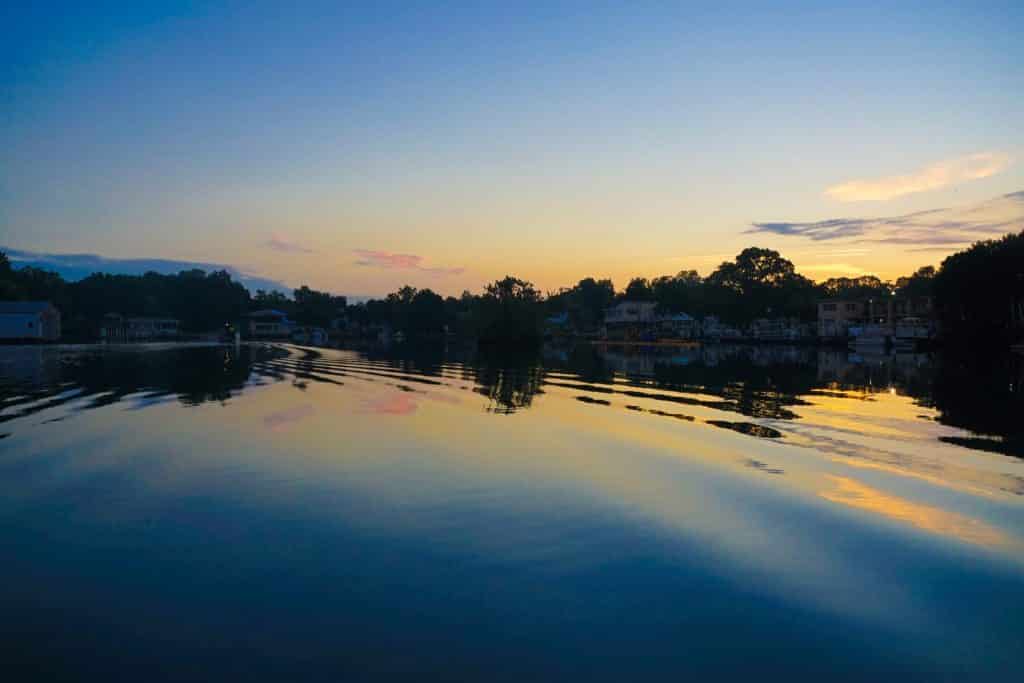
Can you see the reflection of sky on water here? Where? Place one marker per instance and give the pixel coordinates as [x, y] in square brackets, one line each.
[462, 492]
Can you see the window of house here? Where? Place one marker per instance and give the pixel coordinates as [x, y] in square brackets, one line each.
[851, 307]
[829, 307]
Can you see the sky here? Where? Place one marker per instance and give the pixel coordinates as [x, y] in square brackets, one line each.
[358, 148]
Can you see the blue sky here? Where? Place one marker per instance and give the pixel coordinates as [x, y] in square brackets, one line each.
[552, 140]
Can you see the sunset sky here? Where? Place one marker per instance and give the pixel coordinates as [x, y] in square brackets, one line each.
[360, 148]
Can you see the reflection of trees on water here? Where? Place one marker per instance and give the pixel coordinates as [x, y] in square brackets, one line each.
[984, 394]
[509, 379]
[413, 359]
[911, 374]
[31, 381]
[753, 382]
[758, 381]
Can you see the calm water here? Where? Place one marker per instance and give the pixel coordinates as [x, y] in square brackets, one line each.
[279, 513]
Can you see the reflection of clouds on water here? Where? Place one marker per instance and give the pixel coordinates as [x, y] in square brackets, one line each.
[853, 493]
[764, 467]
[393, 404]
[285, 419]
[675, 452]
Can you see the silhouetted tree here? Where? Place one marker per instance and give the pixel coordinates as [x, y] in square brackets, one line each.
[509, 311]
[638, 289]
[979, 292]
[316, 308]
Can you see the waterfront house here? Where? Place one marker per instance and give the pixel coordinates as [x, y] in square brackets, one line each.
[269, 324]
[29, 321]
[678, 326]
[143, 329]
[112, 328]
[714, 329]
[630, 320]
[116, 328]
[918, 307]
[837, 316]
[778, 329]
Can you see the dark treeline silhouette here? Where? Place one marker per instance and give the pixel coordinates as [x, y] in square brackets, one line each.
[201, 301]
[306, 306]
[979, 293]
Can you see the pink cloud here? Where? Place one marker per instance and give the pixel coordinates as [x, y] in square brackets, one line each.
[385, 259]
[442, 398]
[395, 404]
[279, 242]
[392, 261]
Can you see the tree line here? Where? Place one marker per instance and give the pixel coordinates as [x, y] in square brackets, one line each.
[977, 292]
[201, 301]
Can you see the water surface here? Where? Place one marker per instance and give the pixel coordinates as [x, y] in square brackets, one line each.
[281, 513]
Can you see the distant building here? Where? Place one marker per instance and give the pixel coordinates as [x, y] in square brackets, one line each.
[678, 326]
[29, 320]
[879, 320]
[630, 320]
[778, 329]
[270, 324]
[836, 317]
[138, 329]
[116, 328]
[920, 307]
[714, 329]
[112, 328]
[630, 313]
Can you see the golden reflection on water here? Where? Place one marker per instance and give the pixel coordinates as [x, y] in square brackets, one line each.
[853, 493]
[368, 424]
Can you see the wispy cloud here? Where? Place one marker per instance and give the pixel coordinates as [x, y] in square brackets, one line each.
[931, 177]
[279, 242]
[385, 259]
[949, 227]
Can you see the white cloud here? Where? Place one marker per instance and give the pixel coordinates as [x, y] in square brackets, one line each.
[932, 177]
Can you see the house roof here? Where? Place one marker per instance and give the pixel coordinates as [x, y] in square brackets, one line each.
[24, 307]
[267, 313]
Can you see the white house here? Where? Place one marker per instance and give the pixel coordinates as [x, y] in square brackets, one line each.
[29, 320]
[270, 324]
[630, 313]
